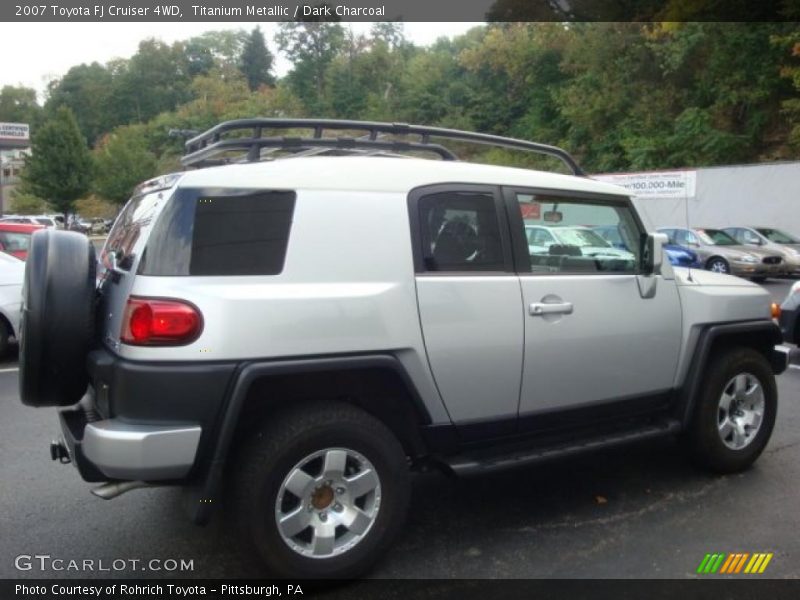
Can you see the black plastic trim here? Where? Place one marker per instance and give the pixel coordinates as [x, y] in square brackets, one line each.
[687, 395]
[249, 372]
[551, 426]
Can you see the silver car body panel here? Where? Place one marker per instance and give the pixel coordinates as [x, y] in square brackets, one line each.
[473, 329]
[614, 344]
[134, 451]
[708, 297]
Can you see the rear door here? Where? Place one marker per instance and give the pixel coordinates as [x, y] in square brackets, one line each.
[469, 301]
[592, 337]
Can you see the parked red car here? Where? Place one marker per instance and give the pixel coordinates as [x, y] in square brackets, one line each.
[15, 238]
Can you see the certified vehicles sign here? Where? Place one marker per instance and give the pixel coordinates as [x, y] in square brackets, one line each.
[655, 184]
[18, 132]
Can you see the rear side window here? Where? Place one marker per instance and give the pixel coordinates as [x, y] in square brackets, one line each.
[221, 232]
[460, 232]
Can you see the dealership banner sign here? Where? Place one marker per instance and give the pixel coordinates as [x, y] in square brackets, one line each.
[18, 132]
[655, 184]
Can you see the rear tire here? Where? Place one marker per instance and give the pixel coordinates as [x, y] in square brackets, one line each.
[282, 473]
[758, 279]
[735, 411]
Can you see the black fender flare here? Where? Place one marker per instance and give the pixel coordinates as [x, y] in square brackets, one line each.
[767, 330]
[249, 372]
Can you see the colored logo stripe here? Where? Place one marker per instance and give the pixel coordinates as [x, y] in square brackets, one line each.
[734, 563]
[711, 563]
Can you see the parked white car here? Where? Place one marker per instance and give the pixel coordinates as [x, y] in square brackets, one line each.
[31, 220]
[12, 273]
[583, 241]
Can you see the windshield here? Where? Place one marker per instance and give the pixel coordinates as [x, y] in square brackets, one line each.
[715, 237]
[778, 236]
[583, 238]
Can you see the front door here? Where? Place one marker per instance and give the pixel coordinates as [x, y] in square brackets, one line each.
[591, 335]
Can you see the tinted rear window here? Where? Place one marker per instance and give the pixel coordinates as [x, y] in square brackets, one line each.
[221, 232]
[137, 214]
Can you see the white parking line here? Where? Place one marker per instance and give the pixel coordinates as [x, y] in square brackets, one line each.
[11, 370]
[794, 366]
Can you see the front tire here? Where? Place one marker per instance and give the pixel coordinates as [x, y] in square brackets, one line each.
[718, 265]
[735, 413]
[321, 491]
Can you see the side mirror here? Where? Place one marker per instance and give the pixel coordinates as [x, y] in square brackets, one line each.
[653, 255]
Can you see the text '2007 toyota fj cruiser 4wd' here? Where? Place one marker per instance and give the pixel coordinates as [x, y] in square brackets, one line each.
[301, 333]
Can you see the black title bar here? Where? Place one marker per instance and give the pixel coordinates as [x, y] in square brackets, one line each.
[212, 11]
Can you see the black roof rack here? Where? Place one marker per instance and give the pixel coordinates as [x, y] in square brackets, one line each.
[213, 148]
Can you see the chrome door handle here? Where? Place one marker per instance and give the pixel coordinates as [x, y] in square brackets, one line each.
[537, 309]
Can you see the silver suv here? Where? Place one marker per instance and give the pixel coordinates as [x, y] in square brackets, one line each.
[301, 334]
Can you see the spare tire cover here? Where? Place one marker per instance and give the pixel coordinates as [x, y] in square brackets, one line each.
[58, 315]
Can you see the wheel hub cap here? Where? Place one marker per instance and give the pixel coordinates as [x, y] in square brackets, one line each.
[322, 497]
[740, 411]
[328, 503]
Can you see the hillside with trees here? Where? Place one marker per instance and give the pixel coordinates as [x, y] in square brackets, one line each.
[619, 96]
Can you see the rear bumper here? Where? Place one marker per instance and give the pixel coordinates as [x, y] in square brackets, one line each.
[113, 449]
[143, 452]
[145, 421]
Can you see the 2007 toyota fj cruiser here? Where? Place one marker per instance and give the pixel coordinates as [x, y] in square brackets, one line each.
[313, 328]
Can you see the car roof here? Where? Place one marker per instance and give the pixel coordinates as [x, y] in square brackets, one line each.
[383, 174]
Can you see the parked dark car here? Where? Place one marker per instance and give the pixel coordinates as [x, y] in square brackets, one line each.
[677, 256]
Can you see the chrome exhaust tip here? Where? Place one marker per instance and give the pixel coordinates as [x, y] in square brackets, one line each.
[112, 489]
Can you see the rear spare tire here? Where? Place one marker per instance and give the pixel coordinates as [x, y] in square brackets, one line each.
[57, 324]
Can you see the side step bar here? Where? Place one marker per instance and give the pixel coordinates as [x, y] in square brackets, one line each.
[478, 463]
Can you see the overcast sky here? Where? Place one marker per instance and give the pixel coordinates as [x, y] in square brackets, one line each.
[31, 54]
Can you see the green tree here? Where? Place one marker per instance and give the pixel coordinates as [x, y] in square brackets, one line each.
[224, 47]
[86, 91]
[18, 105]
[122, 161]
[25, 203]
[311, 46]
[790, 70]
[256, 61]
[154, 80]
[59, 169]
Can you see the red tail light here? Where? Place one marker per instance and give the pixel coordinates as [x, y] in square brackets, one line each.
[160, 322]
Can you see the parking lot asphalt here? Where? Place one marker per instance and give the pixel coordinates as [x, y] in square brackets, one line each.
[640, 512]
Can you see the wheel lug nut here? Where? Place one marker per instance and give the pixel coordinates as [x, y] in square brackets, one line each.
[340, 490]
[323, 517]
[337, 507]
